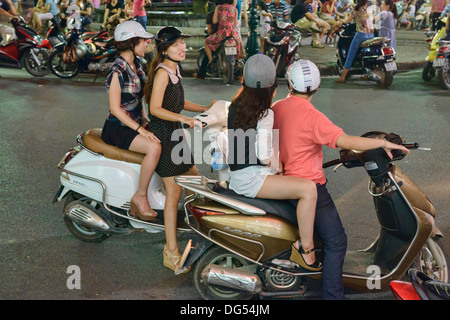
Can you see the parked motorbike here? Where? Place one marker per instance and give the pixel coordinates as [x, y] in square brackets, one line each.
[224, 64]
[432, 39]
[281, 44]
[84, 56]
[374, 59]
[27, 50]
[420, 287]
[241, 247]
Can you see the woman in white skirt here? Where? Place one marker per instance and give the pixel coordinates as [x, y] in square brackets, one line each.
[255, 170]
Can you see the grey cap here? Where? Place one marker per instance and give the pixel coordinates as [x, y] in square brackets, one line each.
[259, 72]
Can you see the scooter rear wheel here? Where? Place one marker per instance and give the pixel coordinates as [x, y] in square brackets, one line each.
[82, 233]
[444, 75]
[426, 261]
[32, 66]
[219, 256]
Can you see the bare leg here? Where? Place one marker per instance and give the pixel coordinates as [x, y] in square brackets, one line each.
[287, 187]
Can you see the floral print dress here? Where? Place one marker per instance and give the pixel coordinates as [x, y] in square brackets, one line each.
[226, 16]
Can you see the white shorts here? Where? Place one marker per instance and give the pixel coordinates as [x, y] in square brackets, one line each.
[248, 181]
[45, 16]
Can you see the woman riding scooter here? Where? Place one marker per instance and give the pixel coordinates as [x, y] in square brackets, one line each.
[364, 27]
[165, 96]
[125, 124]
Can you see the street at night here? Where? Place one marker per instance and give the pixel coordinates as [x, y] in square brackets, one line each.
[41, 118]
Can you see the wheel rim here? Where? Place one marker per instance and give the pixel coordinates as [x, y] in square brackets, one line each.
[42, 56]
[429, 266]
[446, 73]
[61, 68]
[229, 261]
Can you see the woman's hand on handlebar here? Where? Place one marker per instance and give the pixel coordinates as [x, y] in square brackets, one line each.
[191, 123]
[389, 146]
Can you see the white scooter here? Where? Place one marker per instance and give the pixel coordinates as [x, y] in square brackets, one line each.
[98, 181]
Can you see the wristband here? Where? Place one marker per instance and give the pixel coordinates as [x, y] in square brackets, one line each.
[137, 130]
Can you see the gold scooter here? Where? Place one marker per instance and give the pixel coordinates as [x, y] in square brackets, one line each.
[241, 246]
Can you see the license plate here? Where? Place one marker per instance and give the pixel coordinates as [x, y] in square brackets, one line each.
[230, 51]
[438, 62]
[390, 66]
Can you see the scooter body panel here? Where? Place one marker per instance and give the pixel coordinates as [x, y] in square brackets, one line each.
[120, 180]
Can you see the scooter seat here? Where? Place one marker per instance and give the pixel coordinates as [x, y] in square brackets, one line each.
[283, 208]
[373, 42]
[92, 139]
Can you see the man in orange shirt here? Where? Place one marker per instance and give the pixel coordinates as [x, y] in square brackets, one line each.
[303, 130]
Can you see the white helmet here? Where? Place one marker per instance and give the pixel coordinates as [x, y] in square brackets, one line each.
[130, 29]
[304, 76]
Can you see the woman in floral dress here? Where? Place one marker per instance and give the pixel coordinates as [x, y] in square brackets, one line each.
[226, 15]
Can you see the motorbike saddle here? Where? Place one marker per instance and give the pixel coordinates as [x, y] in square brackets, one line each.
[428, 288]
[285, 209]
[373, 42]
[92, 140]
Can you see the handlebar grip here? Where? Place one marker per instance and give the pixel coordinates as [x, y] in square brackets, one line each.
[411, 145]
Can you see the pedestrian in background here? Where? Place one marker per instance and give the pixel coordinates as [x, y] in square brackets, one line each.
[437, 6]
[139, 11]
[388, 18]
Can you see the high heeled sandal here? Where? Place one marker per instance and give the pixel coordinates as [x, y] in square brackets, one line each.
[297, 257]
[135, 210]
[172, 261]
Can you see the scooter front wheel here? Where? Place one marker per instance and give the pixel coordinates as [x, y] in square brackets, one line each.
[433, 260]
[218, 256]
[60, 68]
[428, 71]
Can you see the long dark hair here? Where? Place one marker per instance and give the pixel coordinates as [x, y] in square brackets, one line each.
[360, 4]
[392, 6]
[155, 62]
[251, 106]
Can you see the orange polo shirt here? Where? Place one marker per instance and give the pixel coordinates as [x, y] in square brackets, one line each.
[303, 130]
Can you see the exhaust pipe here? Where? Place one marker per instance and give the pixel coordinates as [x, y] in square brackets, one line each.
[83, 215]
[237, 279]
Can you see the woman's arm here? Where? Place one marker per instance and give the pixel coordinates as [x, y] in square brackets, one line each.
[216, 16]
[362, 144]
[190, 106]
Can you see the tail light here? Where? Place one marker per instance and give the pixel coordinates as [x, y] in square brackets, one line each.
[199, 213]
[387, 51]
[403, 290]
[443, 49]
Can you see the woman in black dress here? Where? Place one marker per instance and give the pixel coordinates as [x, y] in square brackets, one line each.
[165, 96]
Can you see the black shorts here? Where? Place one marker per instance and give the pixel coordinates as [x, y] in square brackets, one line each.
[117, 135]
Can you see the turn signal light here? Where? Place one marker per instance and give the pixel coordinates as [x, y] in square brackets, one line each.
[403, 290]
[443, 49]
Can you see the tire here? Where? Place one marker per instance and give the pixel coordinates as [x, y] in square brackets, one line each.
[426, 261]
[386, 77]
[444, 75]
[219, 256]
[32, 67]
[226, 68]
[83, 233]
[60, 68]
[428, 71]
[201, 54]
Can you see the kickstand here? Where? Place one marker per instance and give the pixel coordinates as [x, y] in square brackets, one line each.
[95, 77]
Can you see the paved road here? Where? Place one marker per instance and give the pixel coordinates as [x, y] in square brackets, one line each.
[41, 118]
